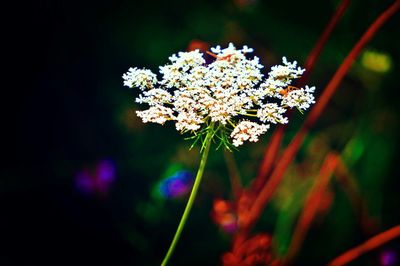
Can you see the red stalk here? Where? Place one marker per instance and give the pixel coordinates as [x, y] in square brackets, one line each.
[274, 144]
[370, 244]
[316, 51]
[270, 154]
[290, 152]
[311, 205]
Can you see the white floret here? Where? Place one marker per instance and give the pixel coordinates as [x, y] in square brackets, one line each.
[301, 99]
[141, 78]
[156, 114]
[247, 131]
[273, 113]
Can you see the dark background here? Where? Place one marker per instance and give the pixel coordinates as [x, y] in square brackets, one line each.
[65, 109]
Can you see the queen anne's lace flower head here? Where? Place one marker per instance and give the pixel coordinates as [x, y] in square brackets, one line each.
[196, 95]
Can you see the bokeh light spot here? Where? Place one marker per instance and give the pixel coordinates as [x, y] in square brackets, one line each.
[97, 179]
[177, 185]
[376, 61]
[388, 258]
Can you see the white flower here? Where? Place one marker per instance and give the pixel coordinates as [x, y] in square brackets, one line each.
[247, 131]
[284, 74]
[246, 49]
[141, 78]
[154, 97]
[301, 98]
[188, 121]
[272, 112]
[173, 58]
[216, 49]
[196, 95]
[156, 114]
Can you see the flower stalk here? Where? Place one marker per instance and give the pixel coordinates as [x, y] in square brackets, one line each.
[192, 197]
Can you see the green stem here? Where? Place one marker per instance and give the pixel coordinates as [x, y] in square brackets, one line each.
[206, 145]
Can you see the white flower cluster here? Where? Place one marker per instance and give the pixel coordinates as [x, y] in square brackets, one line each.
[193, 93]
[302, 98]
[247, 130]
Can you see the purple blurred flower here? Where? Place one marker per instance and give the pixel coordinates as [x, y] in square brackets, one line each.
[97, 180]
[388, 258]
[177, 185]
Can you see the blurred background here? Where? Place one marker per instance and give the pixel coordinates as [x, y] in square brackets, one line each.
[85, 182]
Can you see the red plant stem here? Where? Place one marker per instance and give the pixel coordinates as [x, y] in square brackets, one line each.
[316, 51]
[370, 244]
[311, 205]
[272, 149]
[290, 152]
[268, 161]
[238, 241]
